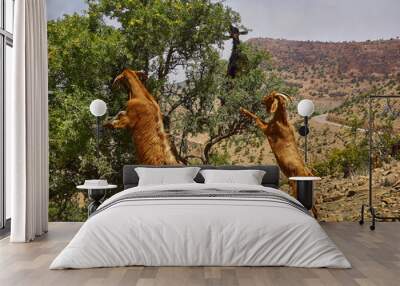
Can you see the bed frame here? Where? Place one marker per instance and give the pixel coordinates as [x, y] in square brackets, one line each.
[270, 179]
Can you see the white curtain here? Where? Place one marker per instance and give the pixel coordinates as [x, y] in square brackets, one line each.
[27, 124]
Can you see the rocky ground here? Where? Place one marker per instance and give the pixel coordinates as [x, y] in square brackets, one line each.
[340, 199]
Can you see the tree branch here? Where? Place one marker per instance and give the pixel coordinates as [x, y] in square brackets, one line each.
[235, 129]
[164, 67]
[175, 152]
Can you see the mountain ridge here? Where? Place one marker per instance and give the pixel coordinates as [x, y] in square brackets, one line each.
[335, 70]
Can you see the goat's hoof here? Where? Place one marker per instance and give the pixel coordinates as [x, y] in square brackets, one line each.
[243, 111]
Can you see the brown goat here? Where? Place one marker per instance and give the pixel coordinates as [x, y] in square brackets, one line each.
[280, 136]
[144, 119]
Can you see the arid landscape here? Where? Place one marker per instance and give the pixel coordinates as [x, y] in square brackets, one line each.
[337, 71]
[337, 77]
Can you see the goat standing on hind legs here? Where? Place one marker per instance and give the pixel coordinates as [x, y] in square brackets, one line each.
[144, 119]
[281, 138]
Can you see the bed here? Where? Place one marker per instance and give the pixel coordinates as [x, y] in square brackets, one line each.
[198, 224]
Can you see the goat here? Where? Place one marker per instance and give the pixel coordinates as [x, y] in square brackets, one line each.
[280, 136]
[237, 61]
[144, 119]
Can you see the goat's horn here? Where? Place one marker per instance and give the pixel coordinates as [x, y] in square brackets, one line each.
[117, 79]
[285, 96]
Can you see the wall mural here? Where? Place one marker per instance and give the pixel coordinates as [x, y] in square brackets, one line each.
[206, 87]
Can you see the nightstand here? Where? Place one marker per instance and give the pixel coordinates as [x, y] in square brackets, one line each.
[96, 194]
[305, 190]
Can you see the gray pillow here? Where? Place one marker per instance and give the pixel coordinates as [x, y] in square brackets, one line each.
[166, 176]
[248, 177]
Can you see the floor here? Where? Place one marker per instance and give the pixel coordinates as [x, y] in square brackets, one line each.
[5, 231]
[375, 257]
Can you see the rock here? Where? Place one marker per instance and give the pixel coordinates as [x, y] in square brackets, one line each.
[388, 201]
[389, 180]
[334, 197]
[397, 184]
[339, 199]
[334, 217]
[350, 193]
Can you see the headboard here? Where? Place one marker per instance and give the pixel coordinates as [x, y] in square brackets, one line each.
[270, 179]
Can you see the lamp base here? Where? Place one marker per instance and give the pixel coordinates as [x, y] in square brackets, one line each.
[305, 193]
[97, 196]
[304, 130]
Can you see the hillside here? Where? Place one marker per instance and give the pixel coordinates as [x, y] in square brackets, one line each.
[337, 77]
[330, 73]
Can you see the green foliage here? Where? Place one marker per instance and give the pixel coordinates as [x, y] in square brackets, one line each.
[68, 210]
[82, 64]
[385, 138]
[346, 161]
[220, 159]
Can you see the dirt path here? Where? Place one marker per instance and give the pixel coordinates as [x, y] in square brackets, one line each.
[323, 119]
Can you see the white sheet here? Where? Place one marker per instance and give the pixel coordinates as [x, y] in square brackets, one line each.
[211, 231]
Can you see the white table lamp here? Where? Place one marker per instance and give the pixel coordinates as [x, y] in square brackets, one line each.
[98, 108]
[305, 108]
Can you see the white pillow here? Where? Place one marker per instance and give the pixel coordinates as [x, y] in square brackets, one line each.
[166, 176]
[248, 177]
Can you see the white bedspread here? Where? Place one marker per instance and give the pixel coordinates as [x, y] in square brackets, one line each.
[200, 231]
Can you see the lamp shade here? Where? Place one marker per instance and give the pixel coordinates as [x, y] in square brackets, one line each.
[98, 107]
[305, 107]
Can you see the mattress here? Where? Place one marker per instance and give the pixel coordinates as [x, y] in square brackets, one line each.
[201, 225]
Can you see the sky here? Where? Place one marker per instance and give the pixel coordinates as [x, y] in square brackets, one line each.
[323, 20]
[317, 20]
[57, 8]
